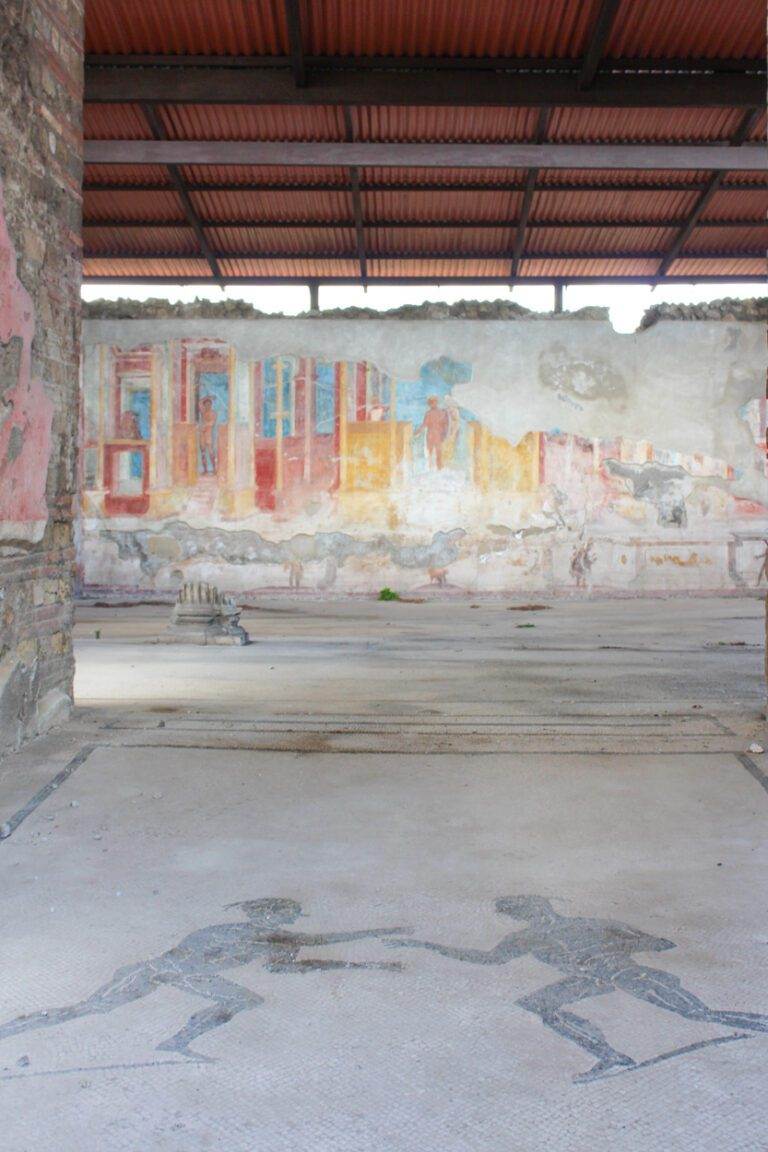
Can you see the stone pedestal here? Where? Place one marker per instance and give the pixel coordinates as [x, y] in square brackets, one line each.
[203, 615]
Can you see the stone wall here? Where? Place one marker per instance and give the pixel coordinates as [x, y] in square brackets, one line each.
[333, 455]
[40, 213]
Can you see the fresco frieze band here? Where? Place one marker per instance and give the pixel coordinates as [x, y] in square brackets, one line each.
[323, 456]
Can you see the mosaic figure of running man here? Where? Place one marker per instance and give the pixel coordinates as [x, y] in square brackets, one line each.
[596, 958]
[195, 964]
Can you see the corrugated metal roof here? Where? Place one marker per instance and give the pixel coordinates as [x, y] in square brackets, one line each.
[738, 205]
[734, 266]
[641, 125]
[438, 241]
[540, 241]
[294, 241]
[136, 268]
[115, 122]
[583, 266]
[252, 122]
[661, 206]
[131, 206]
[689, 28]
[724, 240]
[550, 29]
[269, 206]
[382, 123]
[194, 27]
[553, 177]
[555, 28]
[427, 206]
[127, 174]
[140, 241]
[439, 270]
[306, 269]
[264, 174]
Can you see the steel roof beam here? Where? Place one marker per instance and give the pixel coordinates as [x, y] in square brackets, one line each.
[601, 34]
[399, 186]
[250, 222]
[637, 157]
[434, 280]
[743, 132]
[754, 254]
[179, 187]
[455, 86]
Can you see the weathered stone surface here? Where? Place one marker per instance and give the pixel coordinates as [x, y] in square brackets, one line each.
[40, 179]
[726, 309]
[240, 310]
[204, 615]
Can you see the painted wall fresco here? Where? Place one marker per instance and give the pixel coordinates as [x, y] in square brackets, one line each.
[26, 412]
[333, 474]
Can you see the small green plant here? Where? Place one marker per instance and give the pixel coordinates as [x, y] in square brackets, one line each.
[388, 594]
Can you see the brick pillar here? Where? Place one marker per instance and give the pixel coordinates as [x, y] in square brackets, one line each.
[41, 93]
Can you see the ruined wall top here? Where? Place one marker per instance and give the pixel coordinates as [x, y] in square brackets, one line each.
[755, 309]
[156, 309]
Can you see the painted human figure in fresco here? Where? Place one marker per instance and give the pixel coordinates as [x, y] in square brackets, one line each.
[195, 965]
[207, 425]
[581, 563]
[129, 426]
[435, 426]
[595, 957]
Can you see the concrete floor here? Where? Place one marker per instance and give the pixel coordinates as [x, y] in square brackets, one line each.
[391, 767]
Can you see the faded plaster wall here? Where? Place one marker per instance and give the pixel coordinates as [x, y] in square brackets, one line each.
[40, 178]
[499, 456]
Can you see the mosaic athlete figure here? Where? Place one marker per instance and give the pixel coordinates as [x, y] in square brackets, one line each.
[194, 965]
[596, 958]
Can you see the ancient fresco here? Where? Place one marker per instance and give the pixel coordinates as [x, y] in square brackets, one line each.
[317, 474]
[26, 412]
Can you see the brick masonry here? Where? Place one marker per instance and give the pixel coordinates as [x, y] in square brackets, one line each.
[41, 91]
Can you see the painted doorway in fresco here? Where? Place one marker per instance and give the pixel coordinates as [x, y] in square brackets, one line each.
[296, 429]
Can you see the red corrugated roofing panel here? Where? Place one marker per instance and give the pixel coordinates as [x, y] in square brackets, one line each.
[738, 205]
[735, 267]
[737, 177]
[656, 206]
[252, 122]
[556, 28]
[115, 122]
[127, 174]
[130, 205]
[307, 269]
[293, 241]
[269, 206]
[689, 29]
[638, 125]
[451, 177]
[193, 27]
[263, 174]
[137, 268]
[380, 207]
[540, 241]
[439, 241]
[476, 125]
[139, 241]
[640, 177]
[440, 270]
[552, 269]
[724, 240]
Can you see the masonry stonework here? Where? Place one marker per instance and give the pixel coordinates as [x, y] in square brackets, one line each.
[41, 92]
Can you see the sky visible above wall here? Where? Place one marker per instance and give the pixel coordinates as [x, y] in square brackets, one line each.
[627, 302]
